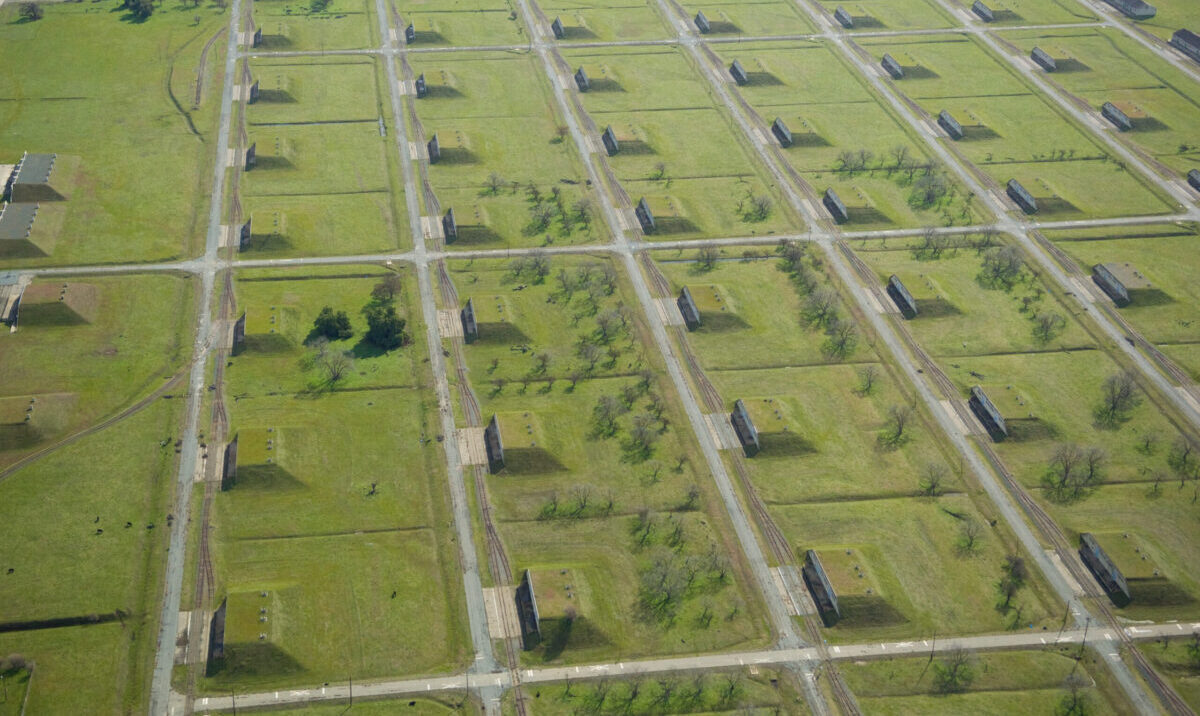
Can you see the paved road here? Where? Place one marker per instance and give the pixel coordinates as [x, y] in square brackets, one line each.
[1089, 122]
[1104, 638]
[164, 660]
[485, 661]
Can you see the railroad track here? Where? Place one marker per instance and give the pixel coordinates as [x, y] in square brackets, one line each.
[203, 65]
[778, 545]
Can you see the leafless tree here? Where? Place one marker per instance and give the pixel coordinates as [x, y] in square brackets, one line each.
[707, 257]
[335, 365]
[932, 478]
[821, 306]
[1047, 325]
[969, 531]
[1002, 266]
[868, 375]
[1118, 397]
[955, 672]
[843, 335]
[899, 416]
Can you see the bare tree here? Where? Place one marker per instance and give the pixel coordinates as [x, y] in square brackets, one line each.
[494, 182]
[1075, 701]
[899, 416]
[335, 365]
[1047, 325]
[842, 337]
[707, 257]
[868, 375]
[605, 414]
[1001, 267]
[969, 531]
[1013, 574]
[955, 672]
[821, 306]
[932, 478]
[591, 353]
[1118, 397]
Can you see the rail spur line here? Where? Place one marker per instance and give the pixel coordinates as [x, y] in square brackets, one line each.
[778, 545]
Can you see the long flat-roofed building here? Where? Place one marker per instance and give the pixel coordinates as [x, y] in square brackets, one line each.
[527, 613]
[16, 223]
[702, 23]
[743, 426]
[892, 67]
[449, 226]
[1137, 9]
[1187, 42]
[229, 466]
[1113, 114]
[687, 308]
[1103, 569]
[645, 217]
[835, 207]
[494, 445]
[987, 413]
[947, 122]
[30, 180]
[469, 324]
[983, 11]
[1193, 178]
[901, 297]
[609, 140]
[557, 28]
[738, 73]
[434, 149]
[843, 18]
[1021, 196]
[1043, 59]
[420, 86]
[818, 585]
[781, 132]
[582, 81]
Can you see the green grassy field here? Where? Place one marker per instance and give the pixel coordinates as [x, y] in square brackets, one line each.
[318, 90]
[568, 478]
[1164, 312]
[463, 22]
[134, 155]
[311, 160]
[813, 93]
[1027, 682]
[1106, 66]
[762, 17]
[76, 360]
[829, 478]
[1012, 132]
[957, 316]
[677, 150]
[498, 130]
[334, 479]
[1034, 12]
[592, 21]
[872, 15]
[1172, 15]
[1173, 660]
[765, 692]
[85, 531]
[288, 25]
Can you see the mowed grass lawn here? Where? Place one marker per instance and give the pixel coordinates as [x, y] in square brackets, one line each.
[1033, 12]
[107, 342]
[1107, 66]
[1011, 132]
[293, 25]
[761, 17]
[280, 309]
[810, 89]
[592, 21]
[1023, 682]
[677, 149]
[958, 316]
[360, 212]
[1165, 312]
[872, 15]
[567, 481]
[463, 22]
[134, 156]
[827, 475]
[497, 126]
[1172, 659]
[339, 511]
[85, 532]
